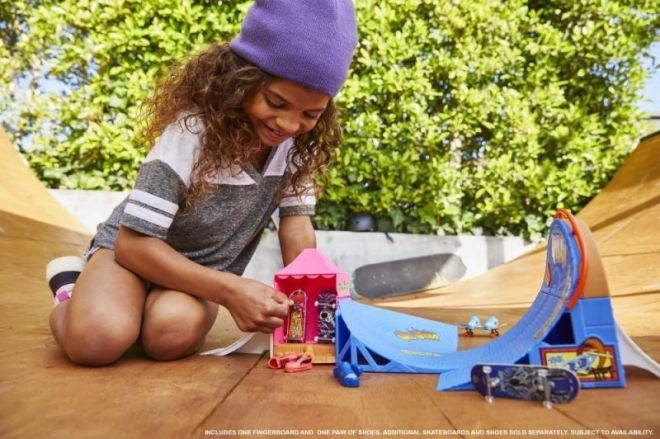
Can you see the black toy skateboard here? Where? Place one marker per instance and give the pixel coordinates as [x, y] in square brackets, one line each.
[529, 382]
[407, 276]
[325, 308]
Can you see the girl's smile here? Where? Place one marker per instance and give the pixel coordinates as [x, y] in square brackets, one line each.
[284, 109]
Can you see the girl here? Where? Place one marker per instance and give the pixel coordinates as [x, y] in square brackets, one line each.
[237, 132]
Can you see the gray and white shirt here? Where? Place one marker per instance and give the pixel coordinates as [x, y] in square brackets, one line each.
[222, 230]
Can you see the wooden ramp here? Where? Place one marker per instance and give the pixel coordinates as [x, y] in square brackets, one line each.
[43, 395]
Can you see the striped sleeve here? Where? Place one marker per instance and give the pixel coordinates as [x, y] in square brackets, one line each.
[162, 184]
[292, 205]
[155, 200]
[151, 208]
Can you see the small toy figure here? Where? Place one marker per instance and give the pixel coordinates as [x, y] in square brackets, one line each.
[347, 374]
[325, 308]
[296, 329]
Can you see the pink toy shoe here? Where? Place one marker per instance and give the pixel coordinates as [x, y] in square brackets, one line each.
[302, 363]
[280, 361]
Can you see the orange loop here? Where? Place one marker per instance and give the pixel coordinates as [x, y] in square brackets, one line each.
[584, 261]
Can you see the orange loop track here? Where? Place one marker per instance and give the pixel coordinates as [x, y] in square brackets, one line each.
[584, 257]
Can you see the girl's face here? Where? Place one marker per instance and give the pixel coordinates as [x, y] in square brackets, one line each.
[284, 109]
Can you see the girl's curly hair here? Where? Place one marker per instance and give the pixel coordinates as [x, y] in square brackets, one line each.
[214, 86]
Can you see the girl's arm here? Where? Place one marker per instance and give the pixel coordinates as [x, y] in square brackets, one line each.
[296, 233]
[253, 305]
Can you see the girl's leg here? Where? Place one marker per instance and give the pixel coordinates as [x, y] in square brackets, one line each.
[102, 319]
[175, 324]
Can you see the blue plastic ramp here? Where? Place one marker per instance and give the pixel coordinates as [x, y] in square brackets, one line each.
[562, 269]
[364, 336]
[386, 341]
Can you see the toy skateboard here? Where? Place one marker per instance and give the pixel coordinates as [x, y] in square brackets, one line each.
[521, 381]
[325, 308]
[407, 276]
[296, 328]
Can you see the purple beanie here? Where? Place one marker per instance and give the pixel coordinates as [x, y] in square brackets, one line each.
[309, 42]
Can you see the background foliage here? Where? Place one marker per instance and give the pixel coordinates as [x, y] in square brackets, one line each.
[461, 116]
[78, 70]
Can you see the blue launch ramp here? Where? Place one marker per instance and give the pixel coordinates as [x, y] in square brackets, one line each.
[364, 336]
[386, 341]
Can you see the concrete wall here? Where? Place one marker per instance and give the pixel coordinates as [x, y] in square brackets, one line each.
[348, 250]
[90, 207]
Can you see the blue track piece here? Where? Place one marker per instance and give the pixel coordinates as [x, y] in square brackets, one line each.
[563, 259]
[365, 334]
[412, 344]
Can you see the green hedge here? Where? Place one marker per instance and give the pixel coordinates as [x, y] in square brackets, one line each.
[461, 116]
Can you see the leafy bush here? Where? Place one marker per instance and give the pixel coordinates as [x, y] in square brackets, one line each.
[460, 116]
[79, 70]
[487, 114]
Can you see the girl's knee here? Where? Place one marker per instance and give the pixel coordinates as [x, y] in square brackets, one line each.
[99, 341]
[103, 317]
[174, 333]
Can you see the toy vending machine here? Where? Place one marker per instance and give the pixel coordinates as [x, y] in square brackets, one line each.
[315, 285]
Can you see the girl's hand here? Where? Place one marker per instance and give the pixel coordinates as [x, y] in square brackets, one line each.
[256, 307]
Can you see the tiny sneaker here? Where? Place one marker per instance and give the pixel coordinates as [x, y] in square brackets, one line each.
[280, 361]
[300, 364]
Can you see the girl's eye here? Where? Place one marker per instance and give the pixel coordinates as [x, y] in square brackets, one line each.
[273, 104]
[312, 116]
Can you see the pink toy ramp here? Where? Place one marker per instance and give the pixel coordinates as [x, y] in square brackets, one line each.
[323, 285]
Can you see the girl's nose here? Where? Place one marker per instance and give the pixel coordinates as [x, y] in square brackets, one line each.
[288, 125]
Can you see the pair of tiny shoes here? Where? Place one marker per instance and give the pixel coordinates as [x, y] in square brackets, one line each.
[280, 361]
[291, 362]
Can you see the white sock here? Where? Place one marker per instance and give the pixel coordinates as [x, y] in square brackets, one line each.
[61, 274]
